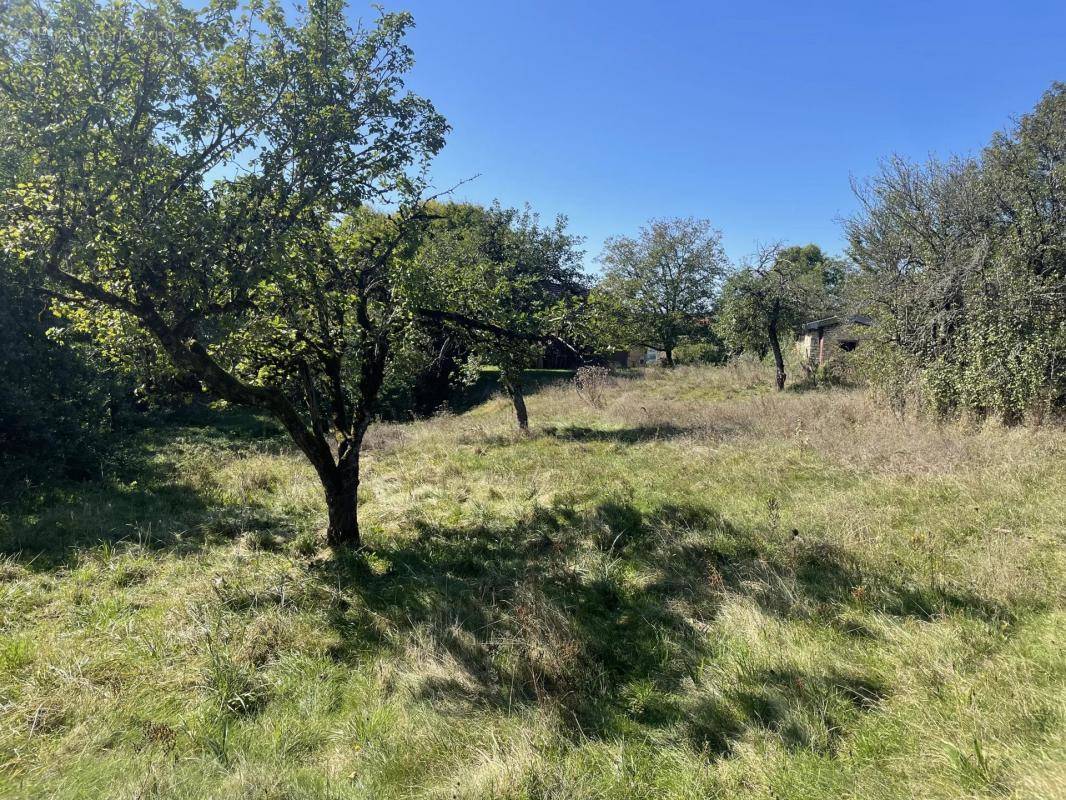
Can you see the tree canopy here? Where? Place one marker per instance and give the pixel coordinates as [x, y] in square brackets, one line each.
[505, 283]
[235, 194]
[663, 282]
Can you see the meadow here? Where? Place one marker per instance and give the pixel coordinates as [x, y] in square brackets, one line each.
[684, 586]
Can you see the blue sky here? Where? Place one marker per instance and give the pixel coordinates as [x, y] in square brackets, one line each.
[754, 115]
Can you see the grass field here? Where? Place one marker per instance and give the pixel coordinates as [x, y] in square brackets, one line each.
[696, 589]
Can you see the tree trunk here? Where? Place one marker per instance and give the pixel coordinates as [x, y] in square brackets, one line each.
[669, 352]
[513, 383]
[342, 500]
[779, 359]
[518, 400]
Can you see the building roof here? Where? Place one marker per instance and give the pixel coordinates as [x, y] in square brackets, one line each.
[832, 322]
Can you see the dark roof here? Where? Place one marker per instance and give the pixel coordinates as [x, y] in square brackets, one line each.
[832, 322]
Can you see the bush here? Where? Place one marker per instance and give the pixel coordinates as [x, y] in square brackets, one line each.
[422, 377]
[55, 407]
[840, 370]
[964, 265]
[705, 352]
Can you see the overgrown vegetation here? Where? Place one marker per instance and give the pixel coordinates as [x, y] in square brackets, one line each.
[965, 270]
[52, 401]
[673, 584]
[512, 283]
[658, 594]
[202, 177]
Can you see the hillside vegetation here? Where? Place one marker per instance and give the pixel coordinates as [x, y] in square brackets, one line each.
[691, 587]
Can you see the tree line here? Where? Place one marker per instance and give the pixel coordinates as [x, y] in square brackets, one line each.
[235, 200]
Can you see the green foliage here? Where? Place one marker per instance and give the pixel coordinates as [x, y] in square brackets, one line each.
[503, 268]
[56, 403]
[964, 266]
[433, 365]
[742, 315]
[502, 283]
[197, 178]
[710, 351]
[606, 325]
[663, 283]
[1006, 361]
[839, 371]
[767, 300]
[787, 286]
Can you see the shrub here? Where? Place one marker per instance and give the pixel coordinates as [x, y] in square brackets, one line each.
[592, 384]
[54, 405]
[840, 370]
[964, 264]
[705, 352]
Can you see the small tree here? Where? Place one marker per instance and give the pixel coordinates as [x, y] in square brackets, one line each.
[185, 171]
[775, 294]
[665, 280]
[510, 285]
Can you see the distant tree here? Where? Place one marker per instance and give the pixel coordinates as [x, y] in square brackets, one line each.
[197, 174]
[772, 296]
[510, 286]
[664, 281]
[963, 265]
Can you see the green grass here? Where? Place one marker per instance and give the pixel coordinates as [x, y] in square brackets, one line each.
[697, 589]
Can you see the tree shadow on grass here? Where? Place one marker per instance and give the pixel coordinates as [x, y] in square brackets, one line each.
[140, 497]
[631, 435]
[601, 613]
[805, 710]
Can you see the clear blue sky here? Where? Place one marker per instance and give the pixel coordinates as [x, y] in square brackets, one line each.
[752, 114]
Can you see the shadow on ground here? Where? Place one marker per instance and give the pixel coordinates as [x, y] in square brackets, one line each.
[547, 612]
[631, 435]
[601, 613]
[583, 434]
[139, 496]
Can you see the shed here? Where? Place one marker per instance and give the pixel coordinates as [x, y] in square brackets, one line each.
[820, 339]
